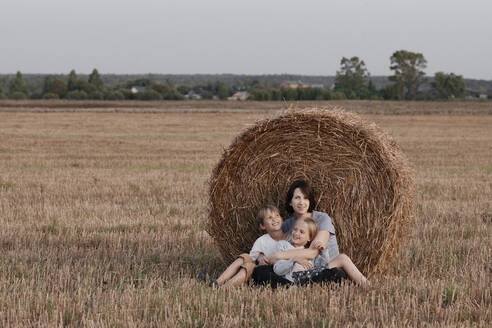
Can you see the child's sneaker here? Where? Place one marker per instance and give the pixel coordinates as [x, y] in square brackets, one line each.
[202, 276]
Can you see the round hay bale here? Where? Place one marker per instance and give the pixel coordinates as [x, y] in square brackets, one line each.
[359, 175]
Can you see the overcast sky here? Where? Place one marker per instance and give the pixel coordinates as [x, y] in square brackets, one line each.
[244, 37]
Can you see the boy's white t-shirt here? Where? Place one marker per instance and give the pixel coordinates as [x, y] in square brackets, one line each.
[264, 244]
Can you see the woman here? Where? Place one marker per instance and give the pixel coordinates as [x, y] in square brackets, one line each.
[300, 203]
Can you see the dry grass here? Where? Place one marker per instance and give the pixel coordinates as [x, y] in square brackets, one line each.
[257, 107]
[103, 219]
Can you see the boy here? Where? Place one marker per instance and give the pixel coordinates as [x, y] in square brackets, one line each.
[242, 268]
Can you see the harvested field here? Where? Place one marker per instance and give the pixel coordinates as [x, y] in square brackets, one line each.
[248, 107]
[103, 221]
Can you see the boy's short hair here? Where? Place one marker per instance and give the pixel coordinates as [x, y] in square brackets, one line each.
[262, 212]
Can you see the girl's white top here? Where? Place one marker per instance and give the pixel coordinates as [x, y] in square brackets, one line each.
[285, 268]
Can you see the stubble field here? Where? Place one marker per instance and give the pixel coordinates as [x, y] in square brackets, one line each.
[103, 217]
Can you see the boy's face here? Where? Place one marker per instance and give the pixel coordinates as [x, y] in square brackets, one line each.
[271, 222]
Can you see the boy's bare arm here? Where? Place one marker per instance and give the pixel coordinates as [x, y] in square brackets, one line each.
[307, 253]
[317, 245]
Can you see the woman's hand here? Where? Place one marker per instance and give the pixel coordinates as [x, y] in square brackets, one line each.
[318, 244]
[320, 240]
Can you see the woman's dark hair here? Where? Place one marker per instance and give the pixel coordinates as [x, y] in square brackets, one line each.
[306, 191]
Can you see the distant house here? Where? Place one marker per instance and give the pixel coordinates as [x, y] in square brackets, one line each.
[477, 96]
[299, 84]
[293, 84]
[240, 95]
[192, 95]
[136, 89]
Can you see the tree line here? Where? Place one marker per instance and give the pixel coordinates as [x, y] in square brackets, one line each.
[352, 81]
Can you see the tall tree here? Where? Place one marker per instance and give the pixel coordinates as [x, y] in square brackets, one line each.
[95, 80]
[449, 86]
[408, 73]
[54, 86]
[352, 77]
[48, 80]
[221, 90]
[372, 91]
[73, 81]
[18, 85]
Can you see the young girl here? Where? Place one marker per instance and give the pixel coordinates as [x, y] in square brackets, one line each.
[303, 233]
[298, 269]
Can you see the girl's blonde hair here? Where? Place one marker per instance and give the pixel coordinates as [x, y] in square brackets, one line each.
[312, 228]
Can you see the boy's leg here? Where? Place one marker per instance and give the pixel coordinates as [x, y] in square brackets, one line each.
[230, 271]
[238, 279]
[344, 262]
[233, 269]
[243, 275]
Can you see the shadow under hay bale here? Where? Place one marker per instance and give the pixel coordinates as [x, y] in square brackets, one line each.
[359, 175]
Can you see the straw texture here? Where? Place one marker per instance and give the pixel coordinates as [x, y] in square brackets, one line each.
[359, 175]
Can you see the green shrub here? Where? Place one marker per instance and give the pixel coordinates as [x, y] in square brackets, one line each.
[127, 93]
[114, 95]
[50, 95]
[76, 95]
[18, 95]
[149, 95]
[96, 95]
[337, 95]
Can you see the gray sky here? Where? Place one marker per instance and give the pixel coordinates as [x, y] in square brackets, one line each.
[243, 37]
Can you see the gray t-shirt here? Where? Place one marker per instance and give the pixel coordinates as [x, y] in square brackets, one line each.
[324, 224]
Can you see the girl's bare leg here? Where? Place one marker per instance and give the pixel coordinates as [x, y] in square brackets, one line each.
[344, 262]
[230, 271]
[238, 279]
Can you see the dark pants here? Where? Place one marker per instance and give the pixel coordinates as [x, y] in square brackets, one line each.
[263, 275]
[325, 276]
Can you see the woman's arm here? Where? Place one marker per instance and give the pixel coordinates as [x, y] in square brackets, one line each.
[320, 240]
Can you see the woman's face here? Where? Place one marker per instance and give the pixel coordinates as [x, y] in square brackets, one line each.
[300, 234]
[299, 203]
